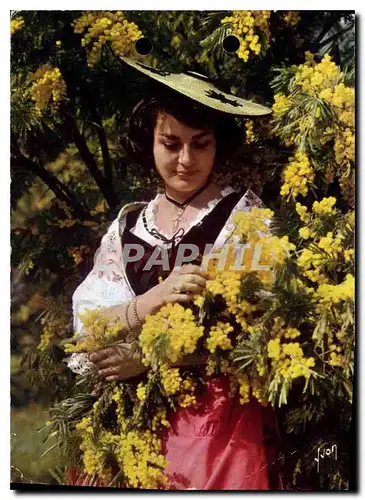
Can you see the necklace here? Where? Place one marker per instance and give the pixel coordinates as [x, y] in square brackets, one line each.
[182, 206]
[153, 232]
[179, 218]
[191, 198]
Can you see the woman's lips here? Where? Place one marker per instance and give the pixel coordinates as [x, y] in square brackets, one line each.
[186, 174]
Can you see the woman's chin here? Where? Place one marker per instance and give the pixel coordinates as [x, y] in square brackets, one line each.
[186, 183]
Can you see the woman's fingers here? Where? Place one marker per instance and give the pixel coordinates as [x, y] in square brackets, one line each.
[106, 372]
[110, 355]
[180, 282]
[183, 283]
[107, 362]
[194, 278]
[191, 288]
[112, 378]
[97, 356]
[188, 284]
[119, 364]
[121, 372]
[193, 269]
[179, 297]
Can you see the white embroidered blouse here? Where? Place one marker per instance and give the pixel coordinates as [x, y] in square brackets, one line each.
[107, 283]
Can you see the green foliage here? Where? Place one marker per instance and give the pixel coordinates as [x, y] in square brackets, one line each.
[64, 416]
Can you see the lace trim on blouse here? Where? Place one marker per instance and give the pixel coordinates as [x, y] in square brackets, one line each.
[150, 214]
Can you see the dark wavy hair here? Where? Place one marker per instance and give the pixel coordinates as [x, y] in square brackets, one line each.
[138, 140]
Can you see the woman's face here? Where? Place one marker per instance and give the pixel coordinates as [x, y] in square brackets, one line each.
[184, 156]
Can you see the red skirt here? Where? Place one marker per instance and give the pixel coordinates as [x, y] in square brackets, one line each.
[219, 444]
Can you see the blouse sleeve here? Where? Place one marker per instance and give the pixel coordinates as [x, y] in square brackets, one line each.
[105, 285]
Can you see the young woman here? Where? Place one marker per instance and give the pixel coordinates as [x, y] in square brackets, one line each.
[217, 444]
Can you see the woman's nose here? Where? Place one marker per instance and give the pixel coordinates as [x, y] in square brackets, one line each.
[186, 157]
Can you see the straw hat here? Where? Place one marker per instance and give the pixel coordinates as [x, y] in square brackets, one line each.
[199, 88]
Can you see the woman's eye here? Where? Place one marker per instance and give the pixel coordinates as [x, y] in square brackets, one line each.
[171, 145]
[201, 145]
[175, 145]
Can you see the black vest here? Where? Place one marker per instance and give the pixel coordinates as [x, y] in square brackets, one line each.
[206, 231]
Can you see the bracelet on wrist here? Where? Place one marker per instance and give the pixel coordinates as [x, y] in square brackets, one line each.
[135, 312]
[128, 325]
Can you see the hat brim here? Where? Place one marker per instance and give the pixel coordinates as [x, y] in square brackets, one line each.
[201, 90]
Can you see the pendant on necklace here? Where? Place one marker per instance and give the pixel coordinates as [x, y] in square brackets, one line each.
[177, 220]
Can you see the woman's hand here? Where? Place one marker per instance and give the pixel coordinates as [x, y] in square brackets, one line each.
[118, 362]
[180, 286]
